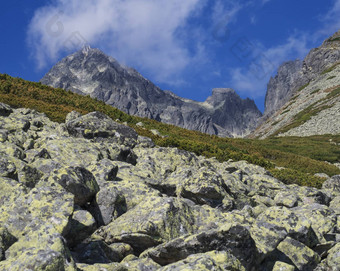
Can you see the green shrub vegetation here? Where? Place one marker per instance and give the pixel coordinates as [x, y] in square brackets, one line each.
[335, 39]
[331, 77]
[315, 91]
[301, 157]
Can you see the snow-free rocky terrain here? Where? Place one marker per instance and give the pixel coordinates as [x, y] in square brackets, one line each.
[91, 72]
[92, 195]
[305, 93]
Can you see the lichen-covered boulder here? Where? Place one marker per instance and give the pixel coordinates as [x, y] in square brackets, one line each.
[6, 240]
[234, 239]
[81, 225]
[335, 205]
[39, 251]
[104, 170]
[133, 263]
[7, 167]
[41, 208]
[202, 186]
[263, 185]
[72, 151]
[213, 260]
[97, 125]
[179, 173]
[3, 135]
[46, 166]
[78, 181]
[286, 198]
[159, 163]
[332, 184]
[97, 251]
[16, 123]
[131, 184]
[12, 150]
[333, 258]
[10, 190]
[321, 218]
[108, 204]
[36, 154]
[91, 252]
[281, 266]
[101, 267]
[28, 175]
[275, 223]
[5, 110]
[303, 257]
[120, 153]
[119, 251]
[153, 221]
[310, 195]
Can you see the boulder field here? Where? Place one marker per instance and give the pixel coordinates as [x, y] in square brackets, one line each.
[91, 195]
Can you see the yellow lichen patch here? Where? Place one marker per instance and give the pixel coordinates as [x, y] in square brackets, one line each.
[137, 264]
[42, 251]
[102, 267]
[303, 257]
[40, 208]
[320, 217]
[152, 221]
[281, 266]
[213, 260]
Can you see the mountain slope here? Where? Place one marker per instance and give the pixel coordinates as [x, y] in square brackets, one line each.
[293, 75]
[298, 159]
[91, 72]
[303, 98]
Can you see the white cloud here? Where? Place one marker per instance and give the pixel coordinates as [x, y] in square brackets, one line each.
[263, 63]
[330, 21]
[138, 32]
[244, 80]
[225, 11]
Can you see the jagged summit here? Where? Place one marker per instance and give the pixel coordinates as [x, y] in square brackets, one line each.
[91, 72]
[86, 48]
[222, 91]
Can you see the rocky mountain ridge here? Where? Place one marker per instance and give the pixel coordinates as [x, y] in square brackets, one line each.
[303, 99]
[293, 75]
[91, 195]
[91, 72]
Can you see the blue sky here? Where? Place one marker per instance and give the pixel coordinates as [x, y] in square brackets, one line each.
[188, 47]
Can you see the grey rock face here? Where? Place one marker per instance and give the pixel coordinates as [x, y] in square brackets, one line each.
[91, 72]
[293, 75]
[279, 89]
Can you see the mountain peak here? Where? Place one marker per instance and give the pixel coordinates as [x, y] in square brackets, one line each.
[219, 91]
[91, 72]
[86, 48]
